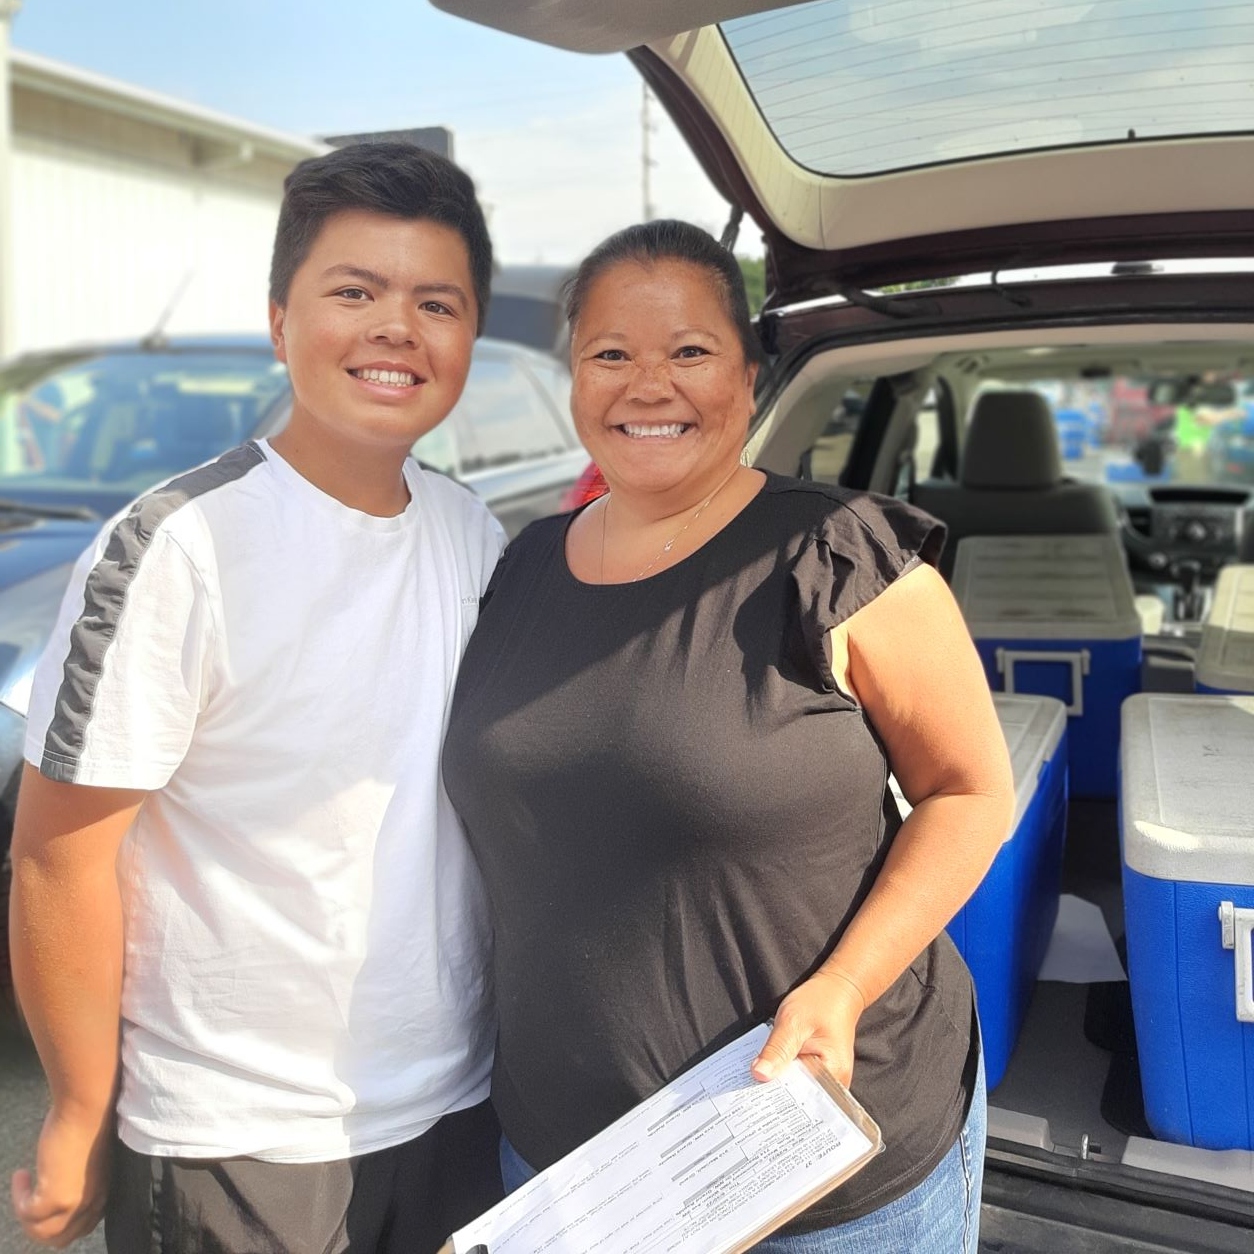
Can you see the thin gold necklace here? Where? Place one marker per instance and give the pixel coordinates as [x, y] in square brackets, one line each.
[670, 544]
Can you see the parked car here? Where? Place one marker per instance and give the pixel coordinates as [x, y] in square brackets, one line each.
[879, 148]
[526, 307]
[84, 431]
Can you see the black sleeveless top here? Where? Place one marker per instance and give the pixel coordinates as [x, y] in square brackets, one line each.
[677, 812]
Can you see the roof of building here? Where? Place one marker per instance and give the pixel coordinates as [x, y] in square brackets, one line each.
[54, 78]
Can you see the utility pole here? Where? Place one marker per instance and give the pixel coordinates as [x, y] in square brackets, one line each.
[8, 11]
[646, 161]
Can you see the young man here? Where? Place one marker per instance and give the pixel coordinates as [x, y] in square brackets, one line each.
[232, 839]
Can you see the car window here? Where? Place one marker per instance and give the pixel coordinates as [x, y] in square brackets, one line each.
[1122, 429]
[555, 380]
[855, 87]
[502, 417]
[438, 449]
[127, 420]
[925, 447]
[826, 459]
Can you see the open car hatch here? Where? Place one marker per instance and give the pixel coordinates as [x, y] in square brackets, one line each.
[878, 141]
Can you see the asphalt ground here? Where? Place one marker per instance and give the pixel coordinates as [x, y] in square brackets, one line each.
[23, 1098]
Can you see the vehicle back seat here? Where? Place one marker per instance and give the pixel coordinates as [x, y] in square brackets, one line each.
[1011, 480]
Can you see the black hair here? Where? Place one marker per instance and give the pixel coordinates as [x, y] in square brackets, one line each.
[400, 180]
[668, 239]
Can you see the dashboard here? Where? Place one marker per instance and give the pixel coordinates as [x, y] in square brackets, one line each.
[1166, 525]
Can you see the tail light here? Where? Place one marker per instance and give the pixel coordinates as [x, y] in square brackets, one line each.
[590, 485]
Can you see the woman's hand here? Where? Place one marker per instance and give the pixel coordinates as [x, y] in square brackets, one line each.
[817, 1019]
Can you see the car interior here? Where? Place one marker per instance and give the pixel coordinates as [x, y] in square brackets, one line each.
[975, 428]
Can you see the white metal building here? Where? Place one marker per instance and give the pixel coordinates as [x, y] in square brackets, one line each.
[124, 202]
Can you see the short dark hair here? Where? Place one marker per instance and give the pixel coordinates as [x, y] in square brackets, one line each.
[400, 180]
[668, 239]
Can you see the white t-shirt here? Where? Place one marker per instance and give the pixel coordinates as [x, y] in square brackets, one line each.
[306, 971]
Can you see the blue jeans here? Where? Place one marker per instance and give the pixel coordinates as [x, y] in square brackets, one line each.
[939, 1216]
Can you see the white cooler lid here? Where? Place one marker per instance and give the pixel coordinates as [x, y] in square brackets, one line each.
[1188, 787]
[1226, 656]
[1045, 588]
[1033, 726]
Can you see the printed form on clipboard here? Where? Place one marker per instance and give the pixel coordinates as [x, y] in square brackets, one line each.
[710, 1164]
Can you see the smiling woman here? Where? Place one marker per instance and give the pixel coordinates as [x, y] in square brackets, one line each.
[663, 366]
[719, 666]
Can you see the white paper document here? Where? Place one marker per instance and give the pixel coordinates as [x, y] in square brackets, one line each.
[706, 1165]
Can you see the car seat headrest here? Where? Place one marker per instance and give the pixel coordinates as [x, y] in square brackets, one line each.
[1011, 443]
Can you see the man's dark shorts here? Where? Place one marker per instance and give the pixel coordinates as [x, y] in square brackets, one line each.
[403, 1200]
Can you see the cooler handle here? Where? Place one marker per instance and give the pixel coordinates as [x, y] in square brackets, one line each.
[1237, 926]
[1007, 659]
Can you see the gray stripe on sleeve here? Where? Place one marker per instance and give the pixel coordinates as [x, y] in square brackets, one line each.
[104, 595]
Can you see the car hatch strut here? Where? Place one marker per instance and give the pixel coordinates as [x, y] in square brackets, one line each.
[731, 232]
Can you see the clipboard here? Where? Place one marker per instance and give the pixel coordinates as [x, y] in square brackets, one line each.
[710, 1164]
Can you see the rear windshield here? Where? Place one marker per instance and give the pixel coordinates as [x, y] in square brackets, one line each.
[857, 87]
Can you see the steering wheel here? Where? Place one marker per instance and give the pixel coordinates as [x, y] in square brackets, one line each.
[1138, 545]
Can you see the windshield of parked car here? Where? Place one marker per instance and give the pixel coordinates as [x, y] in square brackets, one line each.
[854, 87]
[1179, 429]
[126, 420]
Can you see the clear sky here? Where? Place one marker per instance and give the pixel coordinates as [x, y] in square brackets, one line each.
[553, 139]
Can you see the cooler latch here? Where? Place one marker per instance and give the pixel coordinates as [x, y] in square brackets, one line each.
[1008, 659]
[1237, 927]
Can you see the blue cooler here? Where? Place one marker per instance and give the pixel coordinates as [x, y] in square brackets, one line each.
[1225, 660]
[1187, 815]
[1004, 930]
[1056, 616]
